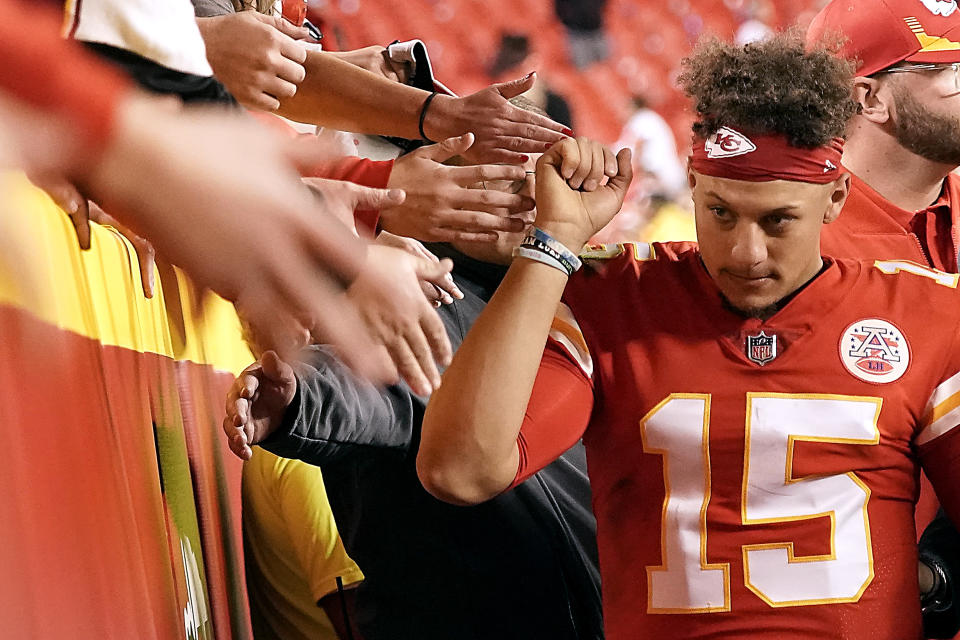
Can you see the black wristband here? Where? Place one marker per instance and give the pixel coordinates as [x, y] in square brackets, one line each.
[939, 596]
[423, 114]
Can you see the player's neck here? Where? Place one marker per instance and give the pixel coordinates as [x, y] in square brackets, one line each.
[905, 179]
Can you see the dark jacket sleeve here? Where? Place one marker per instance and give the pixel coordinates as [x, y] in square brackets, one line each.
[940, 544]
[335, 414]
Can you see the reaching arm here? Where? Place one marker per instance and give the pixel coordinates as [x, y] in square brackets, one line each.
[469, 449]
[317, 414]
[337, 94]
[335, 414]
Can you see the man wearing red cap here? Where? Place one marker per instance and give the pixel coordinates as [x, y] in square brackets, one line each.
[783, 401]
[902, 148]
[904, 141]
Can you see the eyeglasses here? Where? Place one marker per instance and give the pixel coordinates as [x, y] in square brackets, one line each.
[918, 67]
[507, 186]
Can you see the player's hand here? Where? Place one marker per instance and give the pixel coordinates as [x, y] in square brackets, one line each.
[576, 197]
[441, 206]
[256, 403]
[387, 293]
[439, 290]
[257, 57]
[504, 131]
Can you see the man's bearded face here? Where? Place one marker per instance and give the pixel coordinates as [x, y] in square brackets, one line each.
[927, 133]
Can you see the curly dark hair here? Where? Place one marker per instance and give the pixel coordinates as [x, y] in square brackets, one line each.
[774, 86]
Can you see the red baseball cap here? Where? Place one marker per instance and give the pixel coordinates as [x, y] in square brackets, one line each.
[880, 33]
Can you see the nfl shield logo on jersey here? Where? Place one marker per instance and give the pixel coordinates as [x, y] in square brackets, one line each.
[762, 348]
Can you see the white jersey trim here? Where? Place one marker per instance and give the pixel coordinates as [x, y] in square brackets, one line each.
[943, 410]
[567, 333]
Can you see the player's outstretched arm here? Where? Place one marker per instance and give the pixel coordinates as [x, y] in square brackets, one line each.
[468, 452]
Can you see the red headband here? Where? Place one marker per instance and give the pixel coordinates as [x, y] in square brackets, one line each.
[762, 158]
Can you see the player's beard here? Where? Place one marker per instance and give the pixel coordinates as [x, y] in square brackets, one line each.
[930, 135]
[761, 313]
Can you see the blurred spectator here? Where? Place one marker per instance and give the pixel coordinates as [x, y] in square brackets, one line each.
[299, 577]
[586, 39]
[157, 44]
[514, 57]
[513, 52]
[657, 167]
[755, 19]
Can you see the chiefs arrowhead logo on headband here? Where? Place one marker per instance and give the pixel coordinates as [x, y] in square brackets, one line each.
[943, 8]
[729, 153]
[726, 143]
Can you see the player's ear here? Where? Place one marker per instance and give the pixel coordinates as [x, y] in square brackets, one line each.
[873, 99]
[691, 178]
[838, 197]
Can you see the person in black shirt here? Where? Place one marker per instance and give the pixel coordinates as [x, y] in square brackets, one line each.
[523, 565]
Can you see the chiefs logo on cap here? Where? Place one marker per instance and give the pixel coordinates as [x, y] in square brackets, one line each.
[726, 143]
[943, 8]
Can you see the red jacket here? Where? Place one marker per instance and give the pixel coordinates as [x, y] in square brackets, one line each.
[870, 226]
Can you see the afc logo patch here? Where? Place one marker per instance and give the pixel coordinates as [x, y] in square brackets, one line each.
[874, 350]
[726, 143]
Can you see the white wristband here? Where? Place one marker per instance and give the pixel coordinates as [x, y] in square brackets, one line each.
[540, 256]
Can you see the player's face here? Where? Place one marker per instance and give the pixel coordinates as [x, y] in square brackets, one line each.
[760, 241]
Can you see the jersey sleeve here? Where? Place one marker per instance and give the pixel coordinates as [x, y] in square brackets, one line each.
[938, 443]
[559, 409]
[57, 75]
[313, 530]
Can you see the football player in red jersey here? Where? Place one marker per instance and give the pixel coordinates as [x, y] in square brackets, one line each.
[755, 415]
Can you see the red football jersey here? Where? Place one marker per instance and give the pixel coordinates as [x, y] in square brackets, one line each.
[754, 478]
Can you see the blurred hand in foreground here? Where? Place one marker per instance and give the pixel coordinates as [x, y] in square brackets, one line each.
[255, 237]
[387, 292]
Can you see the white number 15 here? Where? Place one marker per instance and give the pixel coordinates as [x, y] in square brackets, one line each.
[679, 428]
